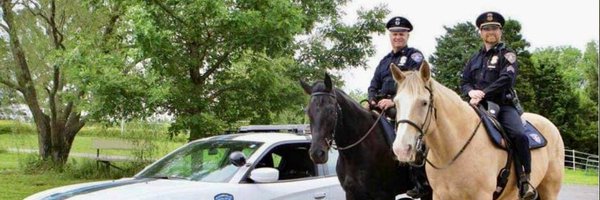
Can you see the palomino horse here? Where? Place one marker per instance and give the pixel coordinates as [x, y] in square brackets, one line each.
[365, 167]
[463, 162]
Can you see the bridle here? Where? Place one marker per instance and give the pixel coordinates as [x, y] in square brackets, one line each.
[338, 116]
[423, 129]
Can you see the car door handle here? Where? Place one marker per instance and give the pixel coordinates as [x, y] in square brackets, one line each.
[320, 195]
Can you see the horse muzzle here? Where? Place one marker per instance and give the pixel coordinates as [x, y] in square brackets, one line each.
[318, 155]
[404, 153]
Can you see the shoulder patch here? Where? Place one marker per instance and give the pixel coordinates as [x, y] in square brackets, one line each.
[511, 57]
[510, 68]
[417, 57]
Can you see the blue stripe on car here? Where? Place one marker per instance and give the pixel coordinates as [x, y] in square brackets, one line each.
[94, 188]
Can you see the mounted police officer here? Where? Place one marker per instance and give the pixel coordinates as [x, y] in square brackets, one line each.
[490, 75]
[383, 88]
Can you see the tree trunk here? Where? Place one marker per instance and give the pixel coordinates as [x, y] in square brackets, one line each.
[56, 132]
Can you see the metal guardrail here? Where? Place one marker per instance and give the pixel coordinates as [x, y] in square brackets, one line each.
[580, 160]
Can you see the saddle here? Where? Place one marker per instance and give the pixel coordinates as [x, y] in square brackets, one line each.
[496, 132]
[498, 136]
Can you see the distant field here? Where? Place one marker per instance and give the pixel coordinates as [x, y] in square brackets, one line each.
[17, 135]
[81, 144]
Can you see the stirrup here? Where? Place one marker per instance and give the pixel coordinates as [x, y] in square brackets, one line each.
[418, 192]
[530, 192]
[415, 193]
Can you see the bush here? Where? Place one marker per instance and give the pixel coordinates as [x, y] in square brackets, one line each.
[32, 164]
[80, 168]
[90, 169]
[15, 127]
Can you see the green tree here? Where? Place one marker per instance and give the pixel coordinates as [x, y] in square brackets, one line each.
[228, 62]
[589, 124]
[560, 97]
[59, 55]
[452, 52]
[590, 68]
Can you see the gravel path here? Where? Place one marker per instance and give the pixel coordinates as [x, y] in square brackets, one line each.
[580, 192]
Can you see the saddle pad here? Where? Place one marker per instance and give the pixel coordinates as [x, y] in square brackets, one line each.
[536, 139]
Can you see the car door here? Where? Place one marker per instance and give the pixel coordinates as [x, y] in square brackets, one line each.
[335, 191]
[299, 179]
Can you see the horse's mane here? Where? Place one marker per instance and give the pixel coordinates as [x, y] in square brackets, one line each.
[319, 86]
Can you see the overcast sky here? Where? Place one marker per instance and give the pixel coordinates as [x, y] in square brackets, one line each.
[544, 23]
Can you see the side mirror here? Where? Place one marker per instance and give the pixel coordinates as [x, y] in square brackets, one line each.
[264, 175]
[237, 158]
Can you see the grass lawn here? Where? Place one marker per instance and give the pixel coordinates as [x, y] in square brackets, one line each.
[14, 185]
[580, 177]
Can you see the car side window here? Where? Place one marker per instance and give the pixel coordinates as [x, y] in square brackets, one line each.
[292, 161]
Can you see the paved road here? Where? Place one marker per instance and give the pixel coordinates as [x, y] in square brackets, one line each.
[579, 192]
[569, 192]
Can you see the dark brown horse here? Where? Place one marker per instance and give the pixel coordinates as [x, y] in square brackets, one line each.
[366, 167]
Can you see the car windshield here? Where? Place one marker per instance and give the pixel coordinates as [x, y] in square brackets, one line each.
[206, 161]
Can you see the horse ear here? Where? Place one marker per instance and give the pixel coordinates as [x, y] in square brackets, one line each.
[306, 87]
[425, 71]
[396, 73]
[328, 84]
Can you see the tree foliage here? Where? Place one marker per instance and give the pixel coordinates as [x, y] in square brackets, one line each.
[60, 57]
[453, 50]
[226, 62]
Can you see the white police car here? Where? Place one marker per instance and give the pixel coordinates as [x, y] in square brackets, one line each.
[263, 165]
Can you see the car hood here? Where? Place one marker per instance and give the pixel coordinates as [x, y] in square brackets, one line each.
[136, 189]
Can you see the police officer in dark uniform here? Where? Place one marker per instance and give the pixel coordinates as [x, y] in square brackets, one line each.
[383, 88]
[490, 75]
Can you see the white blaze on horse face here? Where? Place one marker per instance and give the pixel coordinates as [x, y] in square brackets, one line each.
[406, 136]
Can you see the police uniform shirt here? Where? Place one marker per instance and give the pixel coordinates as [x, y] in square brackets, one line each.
[383, 83]
[493, 71]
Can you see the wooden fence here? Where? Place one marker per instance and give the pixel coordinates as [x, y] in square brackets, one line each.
[580, 160]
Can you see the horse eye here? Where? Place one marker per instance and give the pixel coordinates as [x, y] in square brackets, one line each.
[424, 103]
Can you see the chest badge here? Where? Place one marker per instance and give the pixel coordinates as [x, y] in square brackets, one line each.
[494, 60]
[402, 60]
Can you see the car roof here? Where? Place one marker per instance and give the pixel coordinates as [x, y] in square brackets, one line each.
[265, 137]
[267, 133]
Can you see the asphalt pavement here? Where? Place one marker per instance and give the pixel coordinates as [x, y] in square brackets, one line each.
[568, 192]
[578, 192]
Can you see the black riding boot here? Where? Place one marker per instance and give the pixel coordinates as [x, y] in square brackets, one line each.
[419, 178]
[526, 190]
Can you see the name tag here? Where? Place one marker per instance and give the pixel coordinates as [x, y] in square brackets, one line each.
[491, 66]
